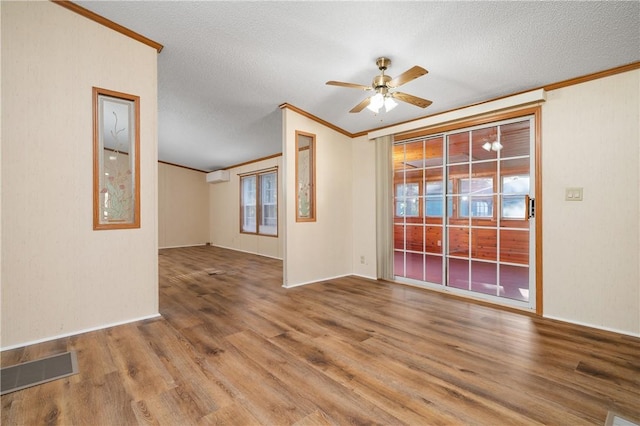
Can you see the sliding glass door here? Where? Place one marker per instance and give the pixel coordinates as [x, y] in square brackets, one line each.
[462, 211]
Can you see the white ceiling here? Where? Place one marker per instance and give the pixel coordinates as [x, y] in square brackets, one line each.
[226, 66]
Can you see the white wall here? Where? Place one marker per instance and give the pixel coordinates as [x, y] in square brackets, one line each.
[59, 276]
[224, 216]
[183, 207]
[591, 139]
[322, 249]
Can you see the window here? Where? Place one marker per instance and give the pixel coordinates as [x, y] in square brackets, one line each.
[259, 203]
[514, 190]
[477, 197]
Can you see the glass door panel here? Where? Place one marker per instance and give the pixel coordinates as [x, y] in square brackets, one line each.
[458, 148]
[483, 145]
[415, 266]
[515, 281]
[399, 236]
[433, 243]
[461, 218]
[514, 246]
[414, 238]
[515, 139]
[484, 278]
[434, 152]
[458, 241]
[484, 243]
[399, 269]
[433, 269]
[458, 273]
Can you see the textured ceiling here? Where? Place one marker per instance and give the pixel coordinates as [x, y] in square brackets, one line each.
[226, 66]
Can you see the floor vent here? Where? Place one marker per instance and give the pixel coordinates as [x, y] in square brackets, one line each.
[614, 419]
[32, 373]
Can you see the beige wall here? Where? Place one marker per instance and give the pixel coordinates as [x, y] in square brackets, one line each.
[591, 249]
[183, 207]
[364, 207]
[322, 249]
[59, 276]
[224, 214]
[591, 139]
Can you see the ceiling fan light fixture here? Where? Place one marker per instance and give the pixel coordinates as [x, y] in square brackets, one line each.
[382, 85]
[487, 146]
[389, 103]
[376, 102]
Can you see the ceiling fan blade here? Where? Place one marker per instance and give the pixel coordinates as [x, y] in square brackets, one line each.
[414, 100]
[407, 76]
[352, 85]
[362, 105]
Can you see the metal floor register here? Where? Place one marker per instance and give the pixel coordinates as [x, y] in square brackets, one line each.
[32, 373]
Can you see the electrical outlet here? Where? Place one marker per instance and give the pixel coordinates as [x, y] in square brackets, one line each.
[362, 259]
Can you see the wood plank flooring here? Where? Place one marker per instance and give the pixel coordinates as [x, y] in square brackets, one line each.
[236, 348]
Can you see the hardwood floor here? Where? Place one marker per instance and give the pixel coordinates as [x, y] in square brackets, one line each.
[235, 347]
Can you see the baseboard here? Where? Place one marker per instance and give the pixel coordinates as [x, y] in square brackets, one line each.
[187, 245]
[246, 251]
[597, 327]
[365, 277]
[316, 281]
[74, 333]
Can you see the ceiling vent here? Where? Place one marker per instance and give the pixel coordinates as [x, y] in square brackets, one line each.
[218, 176]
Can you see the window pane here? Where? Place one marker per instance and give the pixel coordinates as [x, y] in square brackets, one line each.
[407, 200]
[269, 203]
[484, 278]
[515, 184]
[484, 144]
[434, 198]
[414, 155]
[476, 186]
[433, 151]
[514, 246]
[249, 222]
[248, 203]
[515, 139]
[407, 207]
[398, 157]
[514, 206]
[458, 148]
[478, 198]
[408, 190]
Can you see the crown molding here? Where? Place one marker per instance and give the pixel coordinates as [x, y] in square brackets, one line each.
[108, 23]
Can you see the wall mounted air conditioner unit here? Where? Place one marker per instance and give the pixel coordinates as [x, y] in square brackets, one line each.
[218, 176]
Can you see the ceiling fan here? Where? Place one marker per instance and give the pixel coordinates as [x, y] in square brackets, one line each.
[384, 85]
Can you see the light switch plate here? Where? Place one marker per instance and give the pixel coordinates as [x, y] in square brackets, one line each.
[573, 194]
